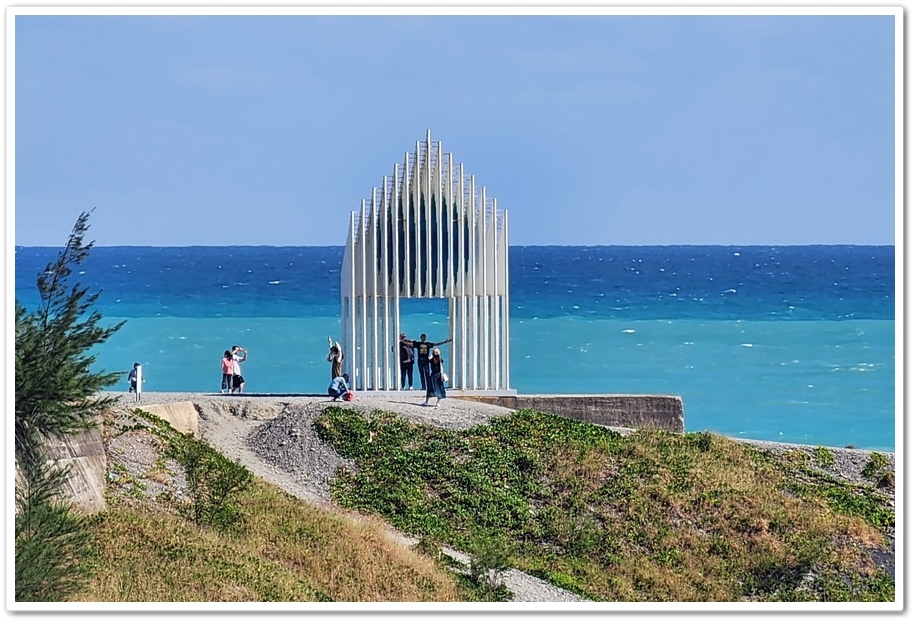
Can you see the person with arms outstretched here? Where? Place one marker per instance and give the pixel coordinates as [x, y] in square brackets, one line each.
[423, 351]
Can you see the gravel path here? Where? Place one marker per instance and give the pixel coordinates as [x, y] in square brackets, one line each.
[273, 436]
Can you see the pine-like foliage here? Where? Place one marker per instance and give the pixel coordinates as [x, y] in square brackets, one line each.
[52, 541]
[56, 390]
[56, 395]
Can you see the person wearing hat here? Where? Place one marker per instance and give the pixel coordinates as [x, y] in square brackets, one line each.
[405, 348]
[339, 387]
[335, 356]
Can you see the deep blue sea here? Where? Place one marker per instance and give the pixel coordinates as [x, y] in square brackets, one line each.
[793, 344]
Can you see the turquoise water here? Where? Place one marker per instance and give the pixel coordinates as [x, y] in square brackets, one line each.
[792, 344]
[816, 382]
[772, 380]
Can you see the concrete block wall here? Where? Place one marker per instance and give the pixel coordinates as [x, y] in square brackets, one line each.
[617, 410]
[85, 455]
[181, 415]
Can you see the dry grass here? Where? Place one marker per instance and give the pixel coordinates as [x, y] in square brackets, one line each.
[288, 551]
[282, 550]
[692, 507]
[349, 557]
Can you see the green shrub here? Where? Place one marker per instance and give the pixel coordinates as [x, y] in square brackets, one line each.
[876, 466]
[52, 541]
[653, 516]
[214, 482]
[489, 559]
[824, 457]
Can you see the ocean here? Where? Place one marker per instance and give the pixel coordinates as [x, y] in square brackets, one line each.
[784, 343]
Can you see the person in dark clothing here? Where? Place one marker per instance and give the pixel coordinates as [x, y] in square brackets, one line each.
[435, 384]
[405, 357]
[423, 350]
[133, 376]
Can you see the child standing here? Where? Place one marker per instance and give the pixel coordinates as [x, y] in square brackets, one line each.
[226, 366]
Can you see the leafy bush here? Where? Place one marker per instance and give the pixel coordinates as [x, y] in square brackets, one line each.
[214, 483]
[824, 456]
[489, 559]
[876, 466]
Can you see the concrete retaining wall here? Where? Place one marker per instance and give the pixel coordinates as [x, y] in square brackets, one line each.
[618, 410]
[85, 455]
[181, 415]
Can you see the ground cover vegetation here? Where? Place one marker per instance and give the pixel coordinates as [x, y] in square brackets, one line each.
[701, 538]
[651, 516]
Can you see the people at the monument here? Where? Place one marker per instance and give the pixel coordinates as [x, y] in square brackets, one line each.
[423, 349]
[239, 354]
[435, 384]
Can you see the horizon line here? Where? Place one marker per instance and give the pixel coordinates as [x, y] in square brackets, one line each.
[342, 246]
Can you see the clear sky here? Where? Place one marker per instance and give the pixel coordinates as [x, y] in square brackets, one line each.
[598, 129]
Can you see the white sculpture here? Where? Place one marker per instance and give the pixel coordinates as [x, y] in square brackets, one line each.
[429, 232]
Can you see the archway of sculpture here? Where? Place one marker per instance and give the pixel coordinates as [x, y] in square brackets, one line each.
[427, 232]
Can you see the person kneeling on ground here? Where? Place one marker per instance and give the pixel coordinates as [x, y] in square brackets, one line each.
[339, 387]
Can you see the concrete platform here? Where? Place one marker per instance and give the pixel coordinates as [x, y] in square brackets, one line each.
[655, 411]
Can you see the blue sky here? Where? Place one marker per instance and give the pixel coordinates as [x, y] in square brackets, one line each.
[598, 129]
